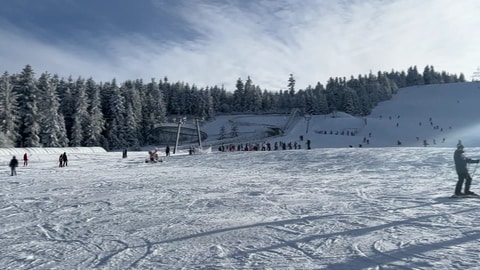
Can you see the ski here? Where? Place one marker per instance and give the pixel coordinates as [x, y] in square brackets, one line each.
[466, 196]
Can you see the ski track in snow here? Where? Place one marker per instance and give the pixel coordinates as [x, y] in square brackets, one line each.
[381, 208]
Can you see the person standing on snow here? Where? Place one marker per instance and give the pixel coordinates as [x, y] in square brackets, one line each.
[64, 159]
[13, 165]
[461, 162]
[60, 160]
[25, 159]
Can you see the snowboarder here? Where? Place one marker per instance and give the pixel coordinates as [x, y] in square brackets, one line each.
[13, 165]
[25, 159]
[461, 162]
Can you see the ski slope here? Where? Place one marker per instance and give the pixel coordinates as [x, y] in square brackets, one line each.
[338, 207]
[369, 208]
[439, 114]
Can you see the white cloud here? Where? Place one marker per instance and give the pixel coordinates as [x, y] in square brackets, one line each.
[268, 40]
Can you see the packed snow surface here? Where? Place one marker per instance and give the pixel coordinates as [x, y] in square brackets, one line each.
[348, 208]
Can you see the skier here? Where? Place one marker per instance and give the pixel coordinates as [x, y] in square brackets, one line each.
[60, 161]
[461, 162]
[13, 165]
[25, 159]
[65, 159]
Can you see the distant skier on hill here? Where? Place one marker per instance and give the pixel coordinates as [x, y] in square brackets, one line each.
[461, 162]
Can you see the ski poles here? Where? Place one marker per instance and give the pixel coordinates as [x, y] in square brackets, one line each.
[474, 170]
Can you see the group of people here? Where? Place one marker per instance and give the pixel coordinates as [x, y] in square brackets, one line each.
[63, 161]
[153, 156]
[14, 164]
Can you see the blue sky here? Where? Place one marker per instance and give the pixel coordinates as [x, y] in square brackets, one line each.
[215, 42]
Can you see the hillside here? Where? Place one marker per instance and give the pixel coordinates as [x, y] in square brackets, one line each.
[439, 114]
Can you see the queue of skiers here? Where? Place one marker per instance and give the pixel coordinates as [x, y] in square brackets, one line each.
[265, 146]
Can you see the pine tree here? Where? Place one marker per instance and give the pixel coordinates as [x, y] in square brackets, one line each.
[117, 124]
[351, 102]
[321, 104]
[267, 101]
[207, 110]
[154, 111]
[96, 122]
[130, 131]
[132, 115]
[222, 134]
[239, 96]
[291, 92]
[8, 107]
[221, 100]
[234, 131]
[29, 128]
[67, 103]
[52, 131]
[81, 118]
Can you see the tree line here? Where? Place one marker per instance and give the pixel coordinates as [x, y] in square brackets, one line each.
[50, 111]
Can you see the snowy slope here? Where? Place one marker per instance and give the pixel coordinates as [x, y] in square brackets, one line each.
[432, 113]
[376, 208]
[325, 208]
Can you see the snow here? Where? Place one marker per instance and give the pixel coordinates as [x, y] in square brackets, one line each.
[338, 207]
[439, 114]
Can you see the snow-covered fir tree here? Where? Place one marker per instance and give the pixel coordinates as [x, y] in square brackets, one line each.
[81, 118]
[133, 114]
[29, 126]
[234, 131]
[222, 134]
[117, 118]
[130, 132]
[96, 123]
[52, 128]
[154, 111]
[8, 107]
[65, 90]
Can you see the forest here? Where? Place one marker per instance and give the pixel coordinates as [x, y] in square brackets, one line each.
[49, 111]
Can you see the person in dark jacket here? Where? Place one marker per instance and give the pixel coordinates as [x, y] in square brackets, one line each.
[65, 159]
[461, 162]
[13, 165]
